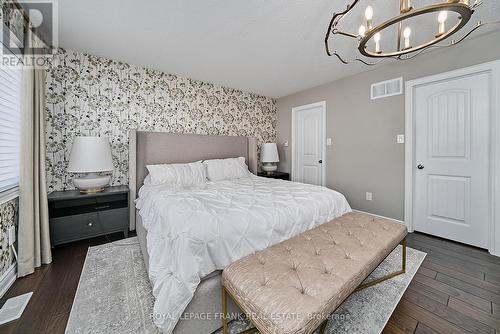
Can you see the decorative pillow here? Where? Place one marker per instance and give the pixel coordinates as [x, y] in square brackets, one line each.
[147, 180]
[177, 174]
[226, 169]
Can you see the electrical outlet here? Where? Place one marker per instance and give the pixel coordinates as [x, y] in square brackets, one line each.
[400, 139]
[285, 143]
[11, 232]
[369, 196]
[328, 141]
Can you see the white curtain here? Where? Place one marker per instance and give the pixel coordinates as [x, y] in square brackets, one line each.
[33, 234]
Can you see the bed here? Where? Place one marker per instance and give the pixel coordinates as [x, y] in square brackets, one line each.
[188, 234]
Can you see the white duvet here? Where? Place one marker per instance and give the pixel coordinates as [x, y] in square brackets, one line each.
[195, 230]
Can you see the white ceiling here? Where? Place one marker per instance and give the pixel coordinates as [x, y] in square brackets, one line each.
[270, 47]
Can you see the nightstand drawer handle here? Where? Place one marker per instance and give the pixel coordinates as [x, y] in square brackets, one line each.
[102, 207]
[89, 224]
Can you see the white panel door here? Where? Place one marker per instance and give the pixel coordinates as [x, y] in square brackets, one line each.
[309, 144]
[452, 159]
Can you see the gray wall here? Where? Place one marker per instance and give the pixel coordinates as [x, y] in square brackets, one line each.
[364, 155]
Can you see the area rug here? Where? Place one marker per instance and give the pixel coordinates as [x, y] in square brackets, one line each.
[114, 294]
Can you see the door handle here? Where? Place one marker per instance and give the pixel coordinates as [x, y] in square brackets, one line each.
[420, 166]
[321, 161]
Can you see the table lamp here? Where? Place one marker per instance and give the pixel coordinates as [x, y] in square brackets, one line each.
[269, 157]
[91, 155]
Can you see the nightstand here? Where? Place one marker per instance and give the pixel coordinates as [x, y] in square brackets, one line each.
[275, 175]
[75, 216]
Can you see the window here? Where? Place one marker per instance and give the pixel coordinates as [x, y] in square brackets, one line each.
[10, 126]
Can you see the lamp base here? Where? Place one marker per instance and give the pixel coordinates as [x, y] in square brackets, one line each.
[269, 167]
[92, 183]
[91, 191]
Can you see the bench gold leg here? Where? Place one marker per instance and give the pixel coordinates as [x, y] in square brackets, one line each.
[322, 328]
[404, 255]
[224, 311]
[226, 315]
[391, 275]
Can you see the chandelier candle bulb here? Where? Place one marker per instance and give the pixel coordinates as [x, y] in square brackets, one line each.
[406, 6]
[442, 17]
[377, 38]
[406, 35]
[362, 31]
[369, 17]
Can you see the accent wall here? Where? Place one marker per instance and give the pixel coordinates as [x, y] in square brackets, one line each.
[89, 95]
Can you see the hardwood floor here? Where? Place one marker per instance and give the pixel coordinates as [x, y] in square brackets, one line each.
[456, 290]
[54, 287]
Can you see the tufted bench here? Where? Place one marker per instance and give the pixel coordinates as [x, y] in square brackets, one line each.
[292, 287]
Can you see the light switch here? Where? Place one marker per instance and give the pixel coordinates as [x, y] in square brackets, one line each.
[400, 139]
[328, 141]
[285, 143]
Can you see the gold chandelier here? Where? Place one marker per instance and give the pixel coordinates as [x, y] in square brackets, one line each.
[369, 36]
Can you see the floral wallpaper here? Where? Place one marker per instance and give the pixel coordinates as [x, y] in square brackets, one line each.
[8, 217]
[89, 95]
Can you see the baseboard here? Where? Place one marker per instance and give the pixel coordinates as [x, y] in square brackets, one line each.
[7, 279]
[494, 252]
[368, 213]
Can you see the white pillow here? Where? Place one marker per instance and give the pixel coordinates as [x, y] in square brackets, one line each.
[177, 174]
[226, 169]
[147, 180]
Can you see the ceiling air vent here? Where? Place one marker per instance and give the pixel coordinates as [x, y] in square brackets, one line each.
[387, 88]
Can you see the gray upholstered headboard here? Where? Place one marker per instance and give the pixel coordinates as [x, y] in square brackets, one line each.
[147, 148]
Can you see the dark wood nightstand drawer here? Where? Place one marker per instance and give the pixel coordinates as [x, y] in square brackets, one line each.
[66, 229]
[275, 175]
[114, 220]
[87, 225]
[74, 216]
[87, 205]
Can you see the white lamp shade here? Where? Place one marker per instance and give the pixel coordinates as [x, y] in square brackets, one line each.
[269, 153]
[90, 155]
